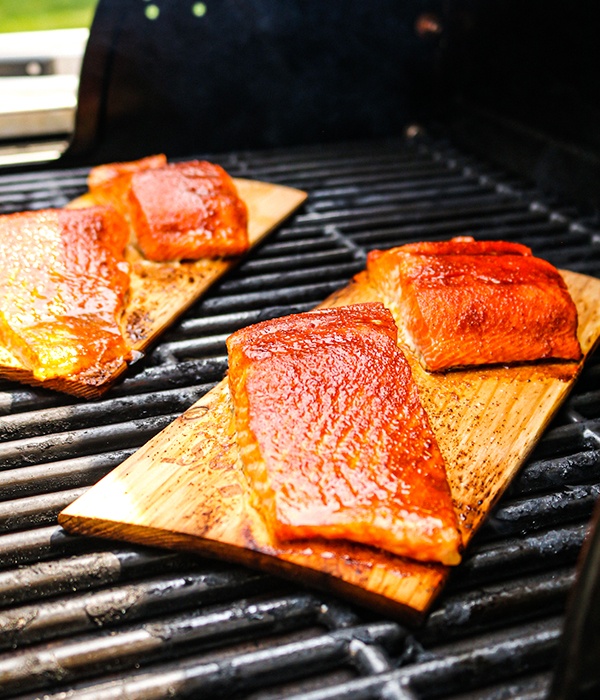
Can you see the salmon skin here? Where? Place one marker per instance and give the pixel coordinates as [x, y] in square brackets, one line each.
[463, 302]
[333, 437]
[176, 211]
[63, 288]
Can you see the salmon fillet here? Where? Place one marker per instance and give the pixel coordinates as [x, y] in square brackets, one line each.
[63, 286]
[333, 437]
[463, 302]
[177, 211]
[108, 173]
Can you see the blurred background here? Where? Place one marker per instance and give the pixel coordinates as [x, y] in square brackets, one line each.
[39, 15]
[41, 47]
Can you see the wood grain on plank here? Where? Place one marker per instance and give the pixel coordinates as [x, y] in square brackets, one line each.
[186, 488]
[161, 292]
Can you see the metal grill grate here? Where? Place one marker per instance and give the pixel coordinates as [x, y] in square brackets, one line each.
[81, 618]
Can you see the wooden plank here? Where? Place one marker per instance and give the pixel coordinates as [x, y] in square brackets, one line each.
[185, 489]
[160, 292]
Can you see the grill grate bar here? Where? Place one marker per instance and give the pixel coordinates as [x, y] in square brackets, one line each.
[36, 510]
[280, 264]
[497, 605]
[565, 438]
[223, 323]
[394, 198]
[124, 604]
[64, 418]
[204, 370]
[137, 644]
[37, 545]
[430, 210]
[326, 174]
[77, 573]
[572, 469]
[188, 677]
[264, 282]
[279, 247]
[488, 662]
[587, 404]
[53, 476]
[490, 229]
[496, 560]
[74, 443]
[527, 687]
[525, 515]
[24, 398]
[277, 297]
[71, 591]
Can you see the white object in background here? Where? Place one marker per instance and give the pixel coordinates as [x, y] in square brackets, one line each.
[38, 90]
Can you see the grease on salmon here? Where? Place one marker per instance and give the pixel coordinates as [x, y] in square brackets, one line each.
[333, 436]
[464, 302]
[63, 286]
[177, 211]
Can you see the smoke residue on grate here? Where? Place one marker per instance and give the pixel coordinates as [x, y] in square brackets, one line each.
[95, 619]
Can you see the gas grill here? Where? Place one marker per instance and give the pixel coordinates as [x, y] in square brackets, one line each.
[105, 620]
[85, 618]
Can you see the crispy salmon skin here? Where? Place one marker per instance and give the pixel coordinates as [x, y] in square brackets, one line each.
[177, 211]
[333, 437]
[463, 303]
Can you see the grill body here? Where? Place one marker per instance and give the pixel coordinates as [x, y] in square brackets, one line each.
[95, 619]
[403, 122]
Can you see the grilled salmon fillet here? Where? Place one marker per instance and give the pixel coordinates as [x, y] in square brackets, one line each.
[113, 174]
[177, 211]
[333, 437]
[63, 286]
[463, 302]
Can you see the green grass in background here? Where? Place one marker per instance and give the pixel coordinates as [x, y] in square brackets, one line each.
[33, 15]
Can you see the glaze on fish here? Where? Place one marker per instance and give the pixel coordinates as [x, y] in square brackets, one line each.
[63, 288]
[333, 437]
[464, 302]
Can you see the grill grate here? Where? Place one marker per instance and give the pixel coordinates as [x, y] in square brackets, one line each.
[100, 620]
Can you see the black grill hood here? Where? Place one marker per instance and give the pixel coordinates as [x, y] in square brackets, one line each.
[514, 82]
